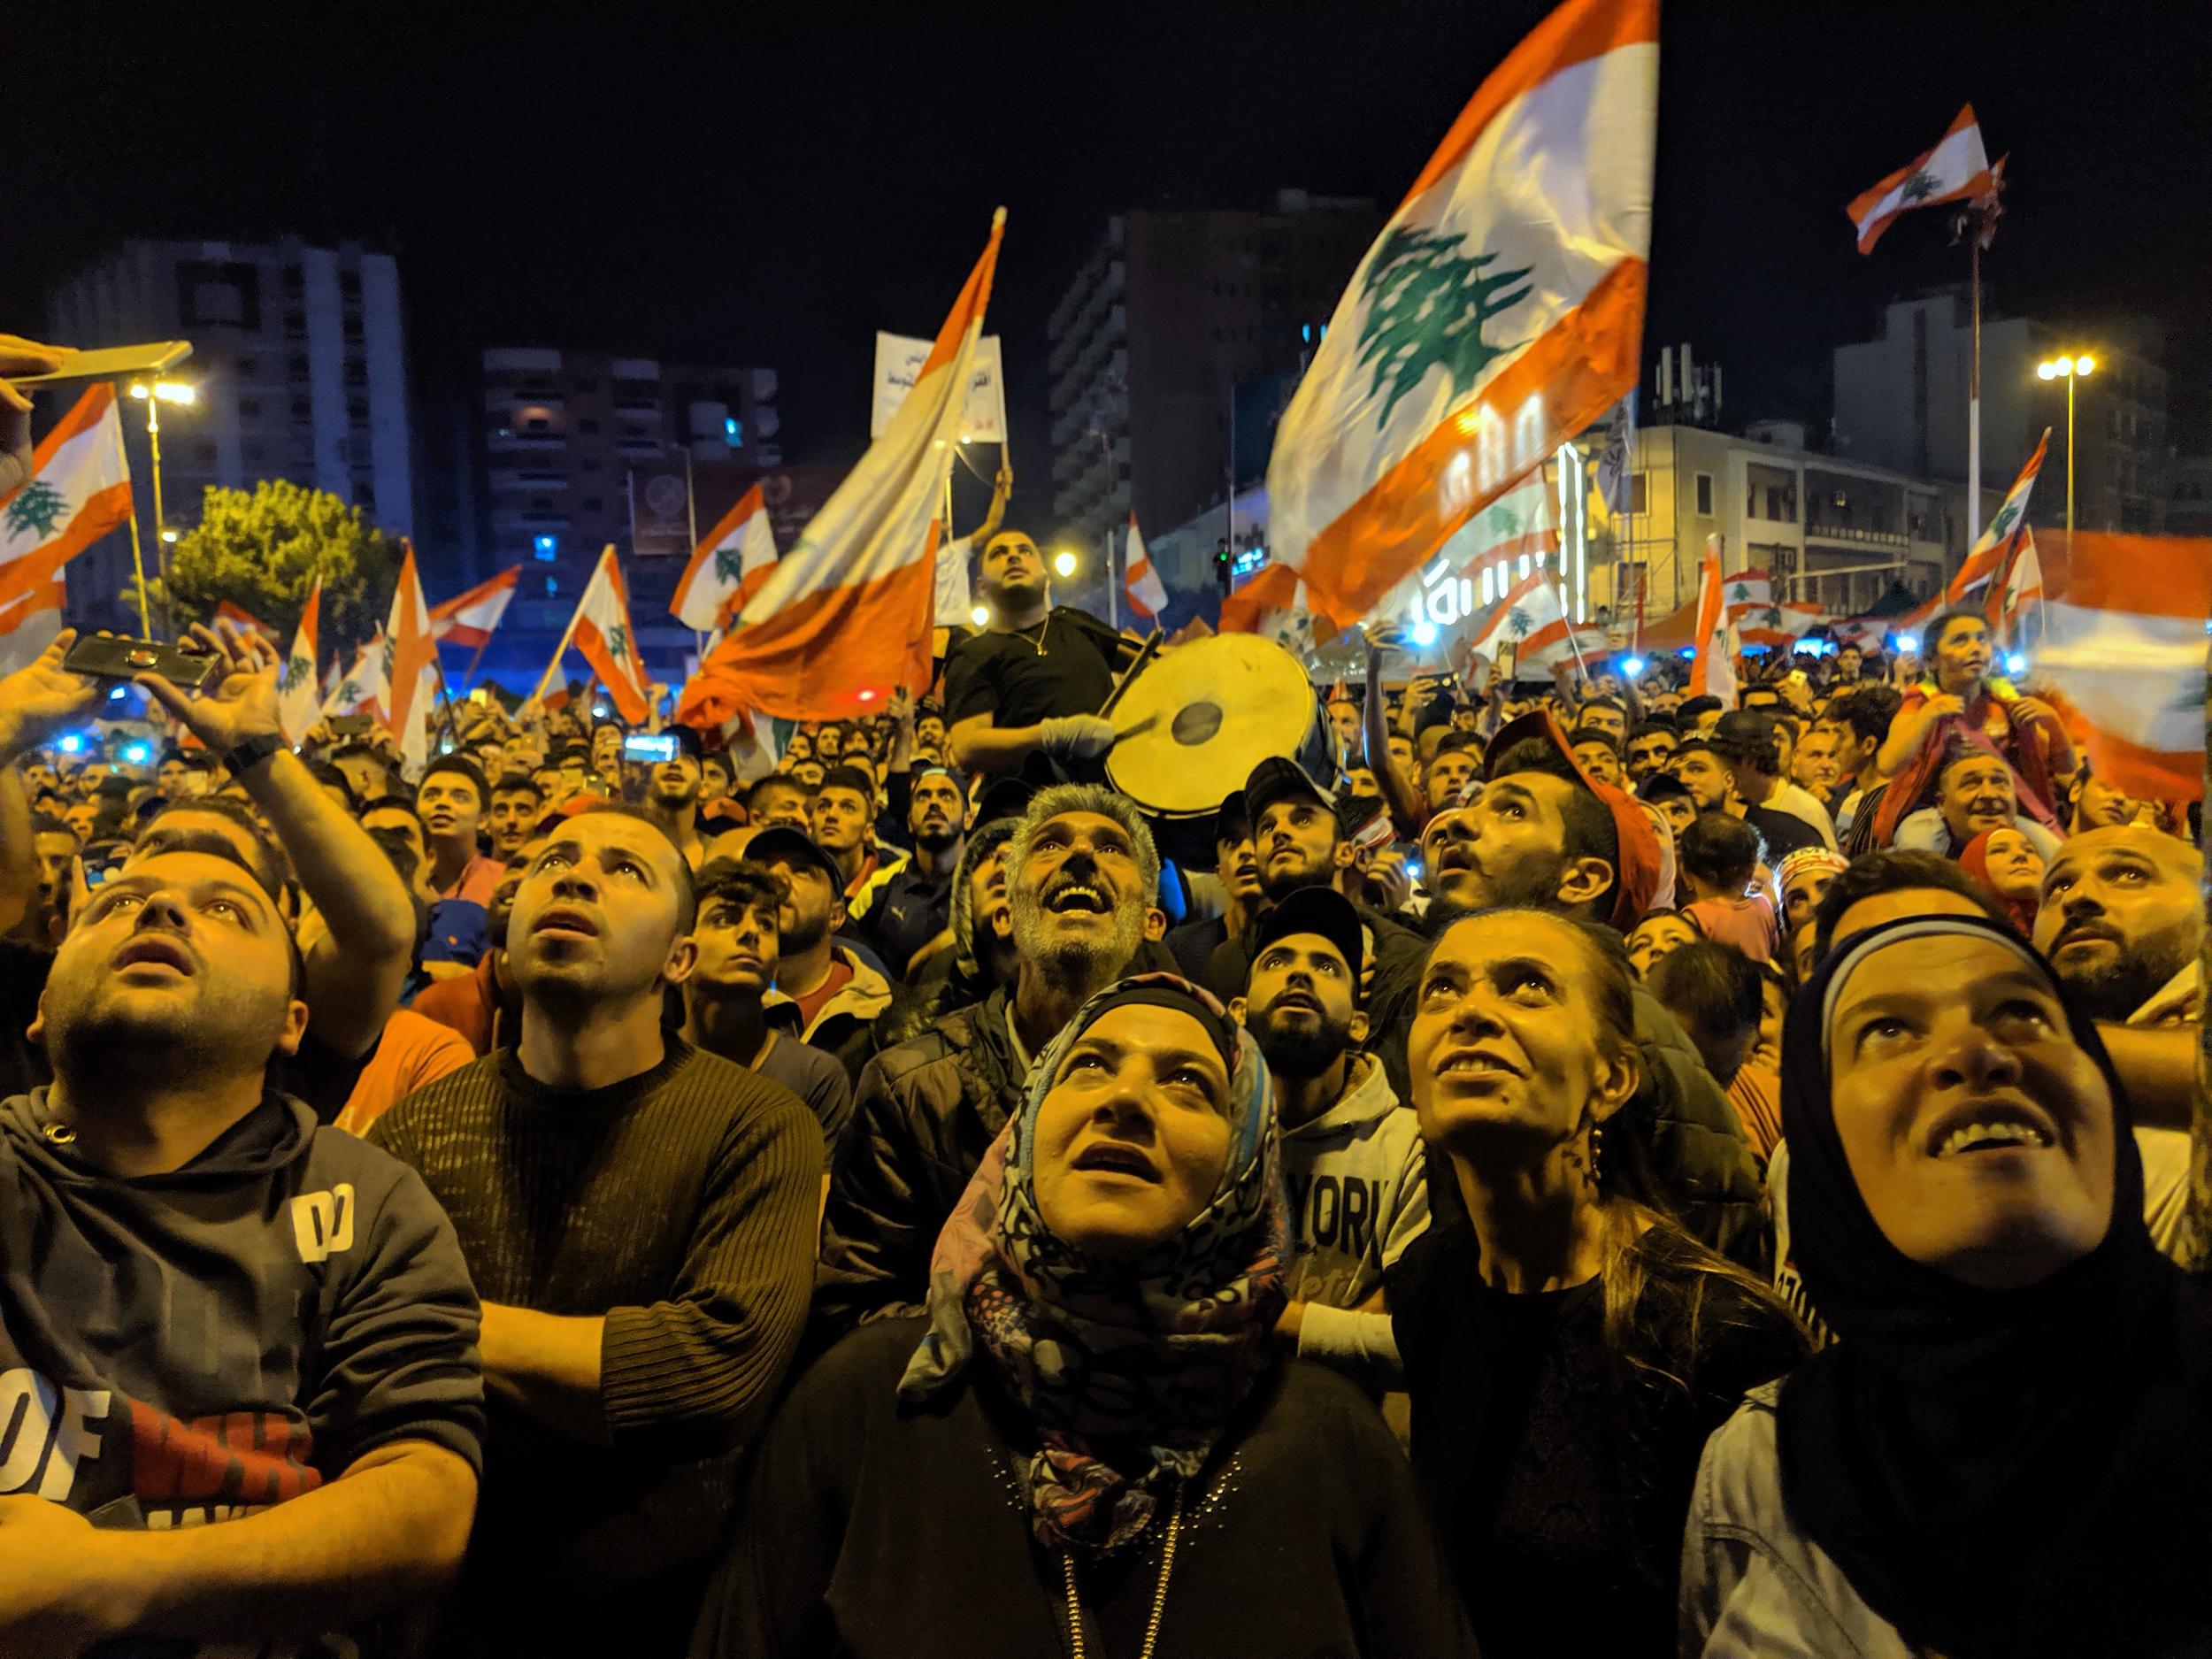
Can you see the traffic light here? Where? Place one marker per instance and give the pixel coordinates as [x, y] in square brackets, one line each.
[1224, 567]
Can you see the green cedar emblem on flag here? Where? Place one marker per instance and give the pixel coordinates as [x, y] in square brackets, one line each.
[2001, 524]
[1741, 593]
[1917, 188]
[729, 565]
[619, 641]
[1517, 623]
[1505, 521]
[299, 671]
[1427, 307]
[38, 507]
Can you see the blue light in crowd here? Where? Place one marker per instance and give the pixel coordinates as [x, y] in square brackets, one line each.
[1687, 652]
[547, 546]
[137, 754]
[1422, 633]
[71, 744]
[733, 431]
[1632, 667]
[116, 693]
[1907, 643]
[601, 711]
[2015, 664]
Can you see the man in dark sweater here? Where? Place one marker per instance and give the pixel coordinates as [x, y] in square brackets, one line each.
[638, 1217]
[239, 1402]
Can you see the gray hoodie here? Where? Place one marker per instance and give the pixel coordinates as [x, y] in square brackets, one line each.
[1357, 1180]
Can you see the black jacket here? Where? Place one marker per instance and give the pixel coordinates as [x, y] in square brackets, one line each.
[923, 1114]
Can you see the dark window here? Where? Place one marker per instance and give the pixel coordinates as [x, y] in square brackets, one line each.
[592, 503]
[587, 426]
[250, 407]
[1637, 489]
[253, 453]
[349, 285]
[587, 385]
[536, 423]
[248, 366]
[1705, 495]
[298, 365]
[216, 293]
[357, 410]
[588, 465]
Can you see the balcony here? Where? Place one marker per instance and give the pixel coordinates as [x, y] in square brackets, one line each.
[502, 441]
[1855, 535]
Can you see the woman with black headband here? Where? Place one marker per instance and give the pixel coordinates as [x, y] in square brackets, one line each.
[2008, 1451]
[1092, 1447]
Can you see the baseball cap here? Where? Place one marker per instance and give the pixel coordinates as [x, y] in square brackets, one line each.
[1278, 779]
[1315, 910]
[1745, 734]
[792, 847]
[1636, 871]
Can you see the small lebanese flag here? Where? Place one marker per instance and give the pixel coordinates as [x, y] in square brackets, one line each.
[1749, 592]
[1518, 525]
[1989, 553]
[468, 621]
[2021, 586]
[2125, 639]
[1500, 312]
[411, 672]
[727, 565]
[1781, 625]
[1139, 580]
[28, 625]
[1713, 669]
[603, 633]
[845, 617]
[1956, 168]
[79, 489]
[299, 699]
[1530, 619]
[361, 689]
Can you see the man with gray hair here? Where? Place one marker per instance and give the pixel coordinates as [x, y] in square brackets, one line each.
[1082, 876]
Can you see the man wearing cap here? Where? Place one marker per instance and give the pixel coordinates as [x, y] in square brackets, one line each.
[1237, 868]
[1545, 835]
[1353, 1163]
[838, 996]
[1749, 742]
[906, 906]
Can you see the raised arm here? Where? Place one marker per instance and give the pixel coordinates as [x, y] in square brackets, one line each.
[1398, 794]
[356, 970]
[37, 701]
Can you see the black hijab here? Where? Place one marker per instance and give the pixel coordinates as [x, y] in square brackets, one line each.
[1998, 1471]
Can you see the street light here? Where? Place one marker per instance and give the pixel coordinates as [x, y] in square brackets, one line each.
[154, 395]
[2070, 370]
[1063, 564]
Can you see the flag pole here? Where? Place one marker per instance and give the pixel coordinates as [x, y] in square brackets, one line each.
[468, 674]
[138, 565]
[1974, 392]
[1567, 617]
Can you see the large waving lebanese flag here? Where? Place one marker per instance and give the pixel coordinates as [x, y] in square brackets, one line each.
[79, 489]
[467, 619]
[1956, 168]
[1501, 312]
[728, 565]
[845, 618]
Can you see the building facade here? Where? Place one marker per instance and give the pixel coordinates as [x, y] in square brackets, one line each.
[1175, 348]
[2189, 504]
[1900, 403]
[299, 367]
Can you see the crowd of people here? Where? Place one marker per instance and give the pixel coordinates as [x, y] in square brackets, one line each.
[1587, 1171]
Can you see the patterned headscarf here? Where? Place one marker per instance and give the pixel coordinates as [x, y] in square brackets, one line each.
[1158, 1351]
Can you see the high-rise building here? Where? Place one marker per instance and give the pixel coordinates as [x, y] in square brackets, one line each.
[2189, 502]
[1176, 347]
[583, 447]
[300, 370]
[1900, 403]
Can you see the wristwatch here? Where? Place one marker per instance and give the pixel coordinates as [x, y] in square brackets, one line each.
[250, 752]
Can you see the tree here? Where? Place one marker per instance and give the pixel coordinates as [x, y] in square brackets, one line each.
[263, 549]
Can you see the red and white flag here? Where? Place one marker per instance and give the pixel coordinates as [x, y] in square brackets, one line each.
[1955, 169]
[1713, 669]
[2021, 586]
[1139, 580]
[844, 619]
[1275, 605]
[411, 672]
[2125, 639]
[362, 688]
[299, 698]
[468, 621]
[600, 630]
[1779, 626]
[28, 624]
[1500, 313]
[1531, 620]
[1749, 593]
[79, 489]
[1518, 526]
[1989, 554]
[727, 566]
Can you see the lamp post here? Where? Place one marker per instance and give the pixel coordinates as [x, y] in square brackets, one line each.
[154, 395]
[2070, 370]
[1063, 564]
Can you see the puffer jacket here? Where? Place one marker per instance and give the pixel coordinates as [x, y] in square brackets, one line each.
[1697, 1164]
[924, 1114]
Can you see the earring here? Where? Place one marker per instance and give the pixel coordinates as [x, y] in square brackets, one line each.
[1597, 1155]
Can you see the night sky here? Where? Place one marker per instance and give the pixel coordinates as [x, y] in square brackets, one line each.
[745, 185]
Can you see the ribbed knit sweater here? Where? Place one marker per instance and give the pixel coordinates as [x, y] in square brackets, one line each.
[681, 1204]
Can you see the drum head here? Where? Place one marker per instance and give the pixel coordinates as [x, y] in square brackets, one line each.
[1205, 714]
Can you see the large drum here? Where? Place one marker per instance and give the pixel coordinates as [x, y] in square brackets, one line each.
[1198, 718]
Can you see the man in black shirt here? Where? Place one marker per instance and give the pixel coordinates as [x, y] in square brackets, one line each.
[914, 901]
[1033, 681]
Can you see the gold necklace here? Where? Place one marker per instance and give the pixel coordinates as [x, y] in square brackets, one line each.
[1038, 644]
[1159, 1595]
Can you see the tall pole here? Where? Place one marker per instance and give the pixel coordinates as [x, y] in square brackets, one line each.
[138, 567]
[2070, 460]
[1974, 398]
[1113, 587]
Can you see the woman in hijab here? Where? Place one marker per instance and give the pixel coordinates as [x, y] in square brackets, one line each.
[2006, 1452]
[2006, 863]
[1567, 1349]
[1093, 1446]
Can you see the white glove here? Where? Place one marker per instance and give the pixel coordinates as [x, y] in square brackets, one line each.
[1076, 736]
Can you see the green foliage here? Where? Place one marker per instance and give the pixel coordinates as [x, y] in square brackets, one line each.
[263, 549]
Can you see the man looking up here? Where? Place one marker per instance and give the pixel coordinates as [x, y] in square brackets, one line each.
[844, 822]
[638, 1217]
[1032, 682]
[836, 995]
[780, 802]
[517, 805]
[1237, 867]
[1974, 793]
[1650, 747]
[671, 794]
[913, 900]
[243, 1342]
[1083, 872]
[1352, 1162]
[450, 801]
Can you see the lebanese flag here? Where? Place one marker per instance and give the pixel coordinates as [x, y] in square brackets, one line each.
[1500, 313]
[1990, 552]
[28, 625]
[1781, 625]
[1275, 605]
[2021, 586]
[1956, 168]
[468, 621]
[1530, 619]
[1139, 580]
[363, 687]
[1749, 591]
[2124, 638]
[727, 568]
[299, 699]
[1713, 669]
[1516, 526]
[79, 489]
[411, 672]
[844, 619]
[602, 631]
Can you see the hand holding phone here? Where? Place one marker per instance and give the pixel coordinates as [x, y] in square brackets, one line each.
[651, 748]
